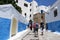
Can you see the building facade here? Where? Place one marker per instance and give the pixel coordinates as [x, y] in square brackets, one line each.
[11, 22]
[53, 17]
[28, 8]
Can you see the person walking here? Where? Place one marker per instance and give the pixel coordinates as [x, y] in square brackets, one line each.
[30, 24]
[42, 27]
[36, 29]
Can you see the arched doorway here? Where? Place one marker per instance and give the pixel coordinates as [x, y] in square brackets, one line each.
[14, 27]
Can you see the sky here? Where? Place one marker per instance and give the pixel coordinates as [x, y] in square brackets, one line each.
[44, 2]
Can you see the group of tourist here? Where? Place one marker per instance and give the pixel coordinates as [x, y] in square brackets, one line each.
[35, 26]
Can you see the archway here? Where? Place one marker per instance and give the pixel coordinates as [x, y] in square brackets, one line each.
[14, 27]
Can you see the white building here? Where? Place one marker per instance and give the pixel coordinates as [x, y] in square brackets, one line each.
[45, 8]
[53, 17]
[28, 7]
[11, 22]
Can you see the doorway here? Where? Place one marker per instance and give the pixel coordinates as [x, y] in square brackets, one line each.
[14, 27]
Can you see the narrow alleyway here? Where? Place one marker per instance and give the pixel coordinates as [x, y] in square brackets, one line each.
[47, 36]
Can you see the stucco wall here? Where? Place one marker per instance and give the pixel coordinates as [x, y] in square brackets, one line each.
[4, 28]
[7, 13]
[53, 23]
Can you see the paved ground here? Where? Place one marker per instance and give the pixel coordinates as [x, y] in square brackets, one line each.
[49, 36]
[46, 36]
[31, 36]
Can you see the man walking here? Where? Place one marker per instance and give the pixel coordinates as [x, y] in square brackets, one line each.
[36, 29]
[42, 27]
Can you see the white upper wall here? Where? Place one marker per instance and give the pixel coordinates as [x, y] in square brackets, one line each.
[55, 4]
[50, 16]
[21, 4]
[8, 11]
[44, 8]
[34, 6]
[5, 10]
[26, 10]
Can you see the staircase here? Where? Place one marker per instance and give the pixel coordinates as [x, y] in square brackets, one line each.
[31, 36]
[47, 36]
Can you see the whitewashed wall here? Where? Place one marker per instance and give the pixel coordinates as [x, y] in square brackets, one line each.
[7, 13]
[50, 16]
[27, 9]
[18, 15]
[4, 11]
[53, 23]
[24, 9]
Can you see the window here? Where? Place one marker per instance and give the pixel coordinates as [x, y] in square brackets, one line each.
[41, 11]
[30, 10]
[55, 12]
[26, 5]
[30, 15]
[25, 14]
[30, 4]
[41, 16]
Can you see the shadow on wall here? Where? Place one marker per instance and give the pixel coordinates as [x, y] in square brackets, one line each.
[21, 26]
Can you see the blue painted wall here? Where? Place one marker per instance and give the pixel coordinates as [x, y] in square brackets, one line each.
[54, 26]
[21, 26]
[4, 28]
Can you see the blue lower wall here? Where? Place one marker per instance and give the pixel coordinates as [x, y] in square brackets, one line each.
[4, 28]
[54, 26]
[21, 26]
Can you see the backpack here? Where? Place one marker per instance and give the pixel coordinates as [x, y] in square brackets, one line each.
[37, 25]
[34, 25]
